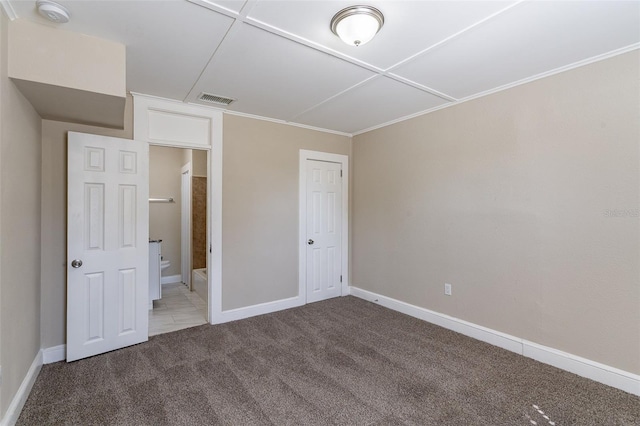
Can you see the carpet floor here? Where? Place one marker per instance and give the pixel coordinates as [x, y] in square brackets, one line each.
[341, 361]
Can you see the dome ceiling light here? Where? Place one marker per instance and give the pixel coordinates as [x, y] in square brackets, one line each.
[356, 25]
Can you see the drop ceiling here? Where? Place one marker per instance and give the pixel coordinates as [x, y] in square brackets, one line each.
[280, 60]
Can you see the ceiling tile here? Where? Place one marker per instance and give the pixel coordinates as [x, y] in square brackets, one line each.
[529, 39]
[410, 26]
[378, 101]
[164, 55]
[274, 77]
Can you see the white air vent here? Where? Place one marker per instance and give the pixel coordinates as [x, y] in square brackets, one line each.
[214, 99]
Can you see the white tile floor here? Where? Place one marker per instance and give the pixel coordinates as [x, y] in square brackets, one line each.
[177, 309]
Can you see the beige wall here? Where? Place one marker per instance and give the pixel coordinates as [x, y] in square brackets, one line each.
[260, 207]
[68, 76]
[20, 154]
[507, 197]
[43, 54]
[199, 162]
[164, 218]
[54, 220]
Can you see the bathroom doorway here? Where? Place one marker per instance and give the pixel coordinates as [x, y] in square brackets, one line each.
[178, 181]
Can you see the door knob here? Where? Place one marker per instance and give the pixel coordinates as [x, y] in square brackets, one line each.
[310, 242]
[76, 263]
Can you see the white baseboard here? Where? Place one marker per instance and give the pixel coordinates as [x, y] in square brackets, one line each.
[479, 332]
[593, 370]
[13, 412]
[54, 354]
[259, 309]
[170, 279]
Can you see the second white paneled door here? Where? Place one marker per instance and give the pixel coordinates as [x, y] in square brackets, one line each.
[107, 244]
[324, 230]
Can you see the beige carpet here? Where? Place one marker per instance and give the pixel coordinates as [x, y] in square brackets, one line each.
[342, 361]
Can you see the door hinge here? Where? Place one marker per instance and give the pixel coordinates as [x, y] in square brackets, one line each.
[340, 173]
[340, 278]
[209, 248]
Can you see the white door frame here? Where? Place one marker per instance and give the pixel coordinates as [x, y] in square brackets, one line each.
[185, 225]
[214, 221]
[302, 230]
[166, 122]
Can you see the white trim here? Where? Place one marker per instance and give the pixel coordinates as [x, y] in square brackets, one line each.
[584, 367]
[13, 412]
[183, 116]
[545, 74]
[593, 370]
[54, 354]
[214, 221]
[259, 309]
[152, 98]
[290, 123]
[171, 279]
[302, 218]
[8, 9]
[186, 229]
[214, 183]
[223, 10]
[488, 335]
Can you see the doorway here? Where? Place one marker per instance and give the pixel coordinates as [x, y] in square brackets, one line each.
[178, 181]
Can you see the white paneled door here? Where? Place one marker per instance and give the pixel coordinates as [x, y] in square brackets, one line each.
[324, 230]
[107, 244]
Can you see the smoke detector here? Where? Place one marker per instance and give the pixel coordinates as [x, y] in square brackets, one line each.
[52, 11]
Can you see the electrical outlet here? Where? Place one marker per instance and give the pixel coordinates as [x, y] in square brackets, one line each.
[447, 289]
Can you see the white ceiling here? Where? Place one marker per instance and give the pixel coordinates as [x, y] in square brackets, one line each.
[280, 60]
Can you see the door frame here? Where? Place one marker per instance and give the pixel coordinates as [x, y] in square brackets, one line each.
[214, 219]
[343, 160]
[185, 225]
[166, 122]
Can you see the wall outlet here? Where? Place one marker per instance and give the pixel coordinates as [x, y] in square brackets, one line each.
[447, 289]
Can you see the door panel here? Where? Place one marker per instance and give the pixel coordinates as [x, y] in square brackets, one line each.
[107, 234]
[324, 227]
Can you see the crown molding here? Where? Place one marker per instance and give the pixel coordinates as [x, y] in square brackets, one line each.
[550, 73]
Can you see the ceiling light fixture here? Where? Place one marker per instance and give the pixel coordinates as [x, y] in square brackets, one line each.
[54, 12]
[356, 25]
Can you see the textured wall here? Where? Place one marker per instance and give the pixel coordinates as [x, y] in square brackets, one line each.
[526, 201]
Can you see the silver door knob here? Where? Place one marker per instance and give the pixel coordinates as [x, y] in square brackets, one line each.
[76, 263]
[310, 242]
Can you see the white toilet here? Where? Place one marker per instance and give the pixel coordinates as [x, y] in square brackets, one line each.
[157, 265]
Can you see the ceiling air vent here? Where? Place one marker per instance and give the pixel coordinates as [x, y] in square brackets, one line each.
[214, 99]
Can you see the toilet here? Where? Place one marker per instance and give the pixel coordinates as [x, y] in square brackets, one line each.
[164, 264]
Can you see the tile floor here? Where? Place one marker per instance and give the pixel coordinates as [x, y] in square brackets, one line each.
[177, 309]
